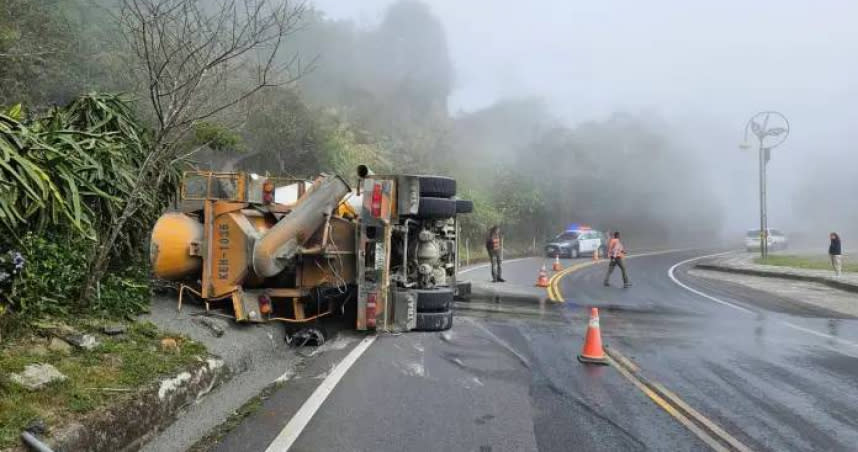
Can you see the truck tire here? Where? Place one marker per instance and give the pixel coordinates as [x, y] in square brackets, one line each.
[464, 206]
[434, 321]
[437, 186]
[436, 208]
[434, 300]
[463, 290]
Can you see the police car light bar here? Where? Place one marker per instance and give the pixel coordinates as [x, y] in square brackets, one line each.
[577, 227]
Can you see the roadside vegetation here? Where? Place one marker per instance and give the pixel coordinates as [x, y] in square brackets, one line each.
[65, 173]
[809, 262]
[106, 374]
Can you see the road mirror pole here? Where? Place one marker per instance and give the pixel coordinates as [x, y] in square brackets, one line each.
[760, 125]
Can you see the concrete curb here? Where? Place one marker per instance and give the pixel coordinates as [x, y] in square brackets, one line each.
[126, 425]
[828, 281]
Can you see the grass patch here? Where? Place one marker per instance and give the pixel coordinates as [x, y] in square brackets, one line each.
[809, 262]
[109, 373]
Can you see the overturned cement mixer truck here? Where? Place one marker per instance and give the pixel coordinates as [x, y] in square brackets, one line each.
[292, 250]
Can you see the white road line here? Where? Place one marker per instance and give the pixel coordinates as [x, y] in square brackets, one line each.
[695, 291]
[817, 333]
[300, 420]
[734, 306]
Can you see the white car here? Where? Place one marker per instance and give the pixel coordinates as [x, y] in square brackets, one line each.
[776, 240]
[576, 242]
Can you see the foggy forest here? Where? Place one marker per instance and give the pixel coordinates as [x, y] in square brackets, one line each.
[547, 115]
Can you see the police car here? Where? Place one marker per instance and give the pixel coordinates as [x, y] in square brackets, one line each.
[577, 240]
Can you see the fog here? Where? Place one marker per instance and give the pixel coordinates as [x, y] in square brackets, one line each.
[700, 71]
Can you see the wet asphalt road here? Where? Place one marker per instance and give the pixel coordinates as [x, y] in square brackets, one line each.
[505, 377]
[778, 378]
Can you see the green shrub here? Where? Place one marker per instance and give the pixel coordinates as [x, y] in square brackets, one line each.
[124, 291]
[52, 278]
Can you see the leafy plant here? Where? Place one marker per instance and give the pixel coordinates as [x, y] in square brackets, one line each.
[65, 177]
[74, 167]
[51, 277]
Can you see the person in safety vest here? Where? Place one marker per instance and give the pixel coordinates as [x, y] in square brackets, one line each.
[493, 246]
[617, 254]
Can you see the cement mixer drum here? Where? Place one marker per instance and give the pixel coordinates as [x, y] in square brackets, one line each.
[174, 247]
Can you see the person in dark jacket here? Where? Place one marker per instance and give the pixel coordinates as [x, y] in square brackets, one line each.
[836, 252]
[493, 246]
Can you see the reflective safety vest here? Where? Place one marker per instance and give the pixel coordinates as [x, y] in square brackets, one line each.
[493, 242]
[615, 248]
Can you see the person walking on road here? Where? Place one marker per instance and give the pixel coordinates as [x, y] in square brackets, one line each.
[493, 246]
[836, 253]
[617, 254]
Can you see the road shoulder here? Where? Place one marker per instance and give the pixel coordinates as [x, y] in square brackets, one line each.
[803, 298]
[742, 263]
[256, 355]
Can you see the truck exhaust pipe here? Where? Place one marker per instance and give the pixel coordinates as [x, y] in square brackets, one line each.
[364, 171]
[272, 253]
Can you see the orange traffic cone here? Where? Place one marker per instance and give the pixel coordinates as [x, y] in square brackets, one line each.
[592, 353]
[557, 265]
[596, 255]
[542, 280]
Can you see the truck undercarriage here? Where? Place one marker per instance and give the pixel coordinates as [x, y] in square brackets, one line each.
[292, 250]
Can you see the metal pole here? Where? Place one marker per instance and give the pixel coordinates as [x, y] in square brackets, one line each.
[764, 230]
[34, 443]
[761, 132]
[467, 252]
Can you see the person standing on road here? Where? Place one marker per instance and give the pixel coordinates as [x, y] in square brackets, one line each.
[493, 246]
[836, 253]
[617, 254]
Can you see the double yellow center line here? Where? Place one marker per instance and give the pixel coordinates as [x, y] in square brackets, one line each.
[711, 434]
[708, 432]
[554, 293]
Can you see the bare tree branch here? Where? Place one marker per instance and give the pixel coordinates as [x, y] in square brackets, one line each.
[196, 55]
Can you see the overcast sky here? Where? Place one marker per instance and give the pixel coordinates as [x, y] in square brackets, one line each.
[706, 65]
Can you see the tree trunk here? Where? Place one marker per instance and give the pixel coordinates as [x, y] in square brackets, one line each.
[98, 264]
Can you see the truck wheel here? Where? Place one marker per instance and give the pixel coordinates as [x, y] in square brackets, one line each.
[463, 290]
[434, 300]
[464, 206]
[434, 321]
[437, 186]
[436, 208]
